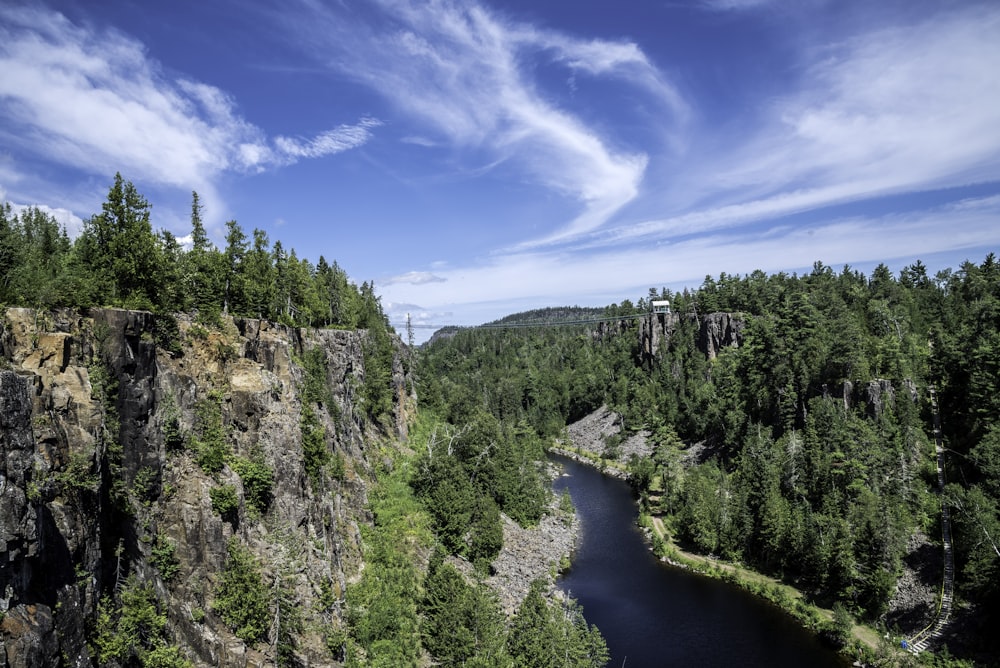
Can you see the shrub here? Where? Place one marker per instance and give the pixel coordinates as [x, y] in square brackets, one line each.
[258, 478]
[164, 558]
[210, 444]
[240, 598]
[225, 501]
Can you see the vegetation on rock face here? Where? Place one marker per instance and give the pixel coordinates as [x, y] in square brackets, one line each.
[164, 422]
[240, 598]
[133, 628]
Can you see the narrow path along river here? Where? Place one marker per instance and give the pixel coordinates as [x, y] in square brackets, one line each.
[653, 614]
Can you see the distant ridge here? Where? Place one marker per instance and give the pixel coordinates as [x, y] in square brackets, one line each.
[551, 314]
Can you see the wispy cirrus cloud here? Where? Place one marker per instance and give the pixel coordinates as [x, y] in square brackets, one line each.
[467, 73]
[95, 100]
[341, 138]
[894, 110]
[532, 279]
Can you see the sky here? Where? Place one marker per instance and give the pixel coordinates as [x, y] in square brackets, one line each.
[475, 159]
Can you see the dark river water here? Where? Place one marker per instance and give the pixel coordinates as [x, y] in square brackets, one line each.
[652, 614]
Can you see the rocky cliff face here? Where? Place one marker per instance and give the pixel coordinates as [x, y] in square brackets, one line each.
[716, 331]
[100, 477]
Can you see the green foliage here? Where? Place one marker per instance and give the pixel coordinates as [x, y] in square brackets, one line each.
[382, 606]
[122, 247]
[210, 440]
[145, 485]
[165, 657]
[461, 622]
[258, 479]
[133, 630]
[544, 635]
[164, 557]
[811, 446]
[314, 448]
[840, 629]
[78, 475]
[315, 386]
[118, 260]
[566, 504]
[167, 334]
[467, 476]
[377, 388]
[336, 467]
[225, 501]
[240, 597]
[173, 435]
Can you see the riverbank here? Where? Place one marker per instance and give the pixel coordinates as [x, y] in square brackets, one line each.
[785, 596]
[608, 467]
[532, 553]
[597, 441]
[867, 647]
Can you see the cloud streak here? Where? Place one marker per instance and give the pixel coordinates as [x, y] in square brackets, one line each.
[95, 100]
[468, 74]
[899, 109]
[546, 278]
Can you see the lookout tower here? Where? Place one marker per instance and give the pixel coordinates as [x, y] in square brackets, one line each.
[661, 306]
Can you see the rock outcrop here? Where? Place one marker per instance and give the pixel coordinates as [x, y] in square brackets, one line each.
[99, 475]
[715, 332]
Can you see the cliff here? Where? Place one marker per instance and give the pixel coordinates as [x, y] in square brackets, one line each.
[715, 331]
[107, 421]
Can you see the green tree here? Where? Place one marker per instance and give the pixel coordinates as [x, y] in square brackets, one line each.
[123, 246]
[240, 598]
[134, 630]
[234, 290]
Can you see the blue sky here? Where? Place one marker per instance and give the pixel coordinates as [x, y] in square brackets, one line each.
[475, 159]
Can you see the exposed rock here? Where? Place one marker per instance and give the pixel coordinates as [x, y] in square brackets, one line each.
[654, 330]
[594, 432]
[913, 603]
[715, 332]
[876, 395]
[88, 487]
[529, 554]
[718, 331]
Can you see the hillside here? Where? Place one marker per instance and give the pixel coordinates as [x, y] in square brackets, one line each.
[214, 458]
[784, 423]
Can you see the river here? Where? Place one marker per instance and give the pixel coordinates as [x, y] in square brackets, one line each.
[654, 614]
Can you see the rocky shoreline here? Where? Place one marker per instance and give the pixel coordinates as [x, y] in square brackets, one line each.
[529, 554]
[583, 459]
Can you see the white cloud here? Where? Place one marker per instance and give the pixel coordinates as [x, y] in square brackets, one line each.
[334, 141]
[94, 99]
[891, 111]
[467, 73]
[734, 5]
[414, 278]
[900, 109]
[616, 273]
[72, 223]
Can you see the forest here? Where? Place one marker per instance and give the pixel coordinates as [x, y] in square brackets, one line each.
[804, 452]
[437, 505]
